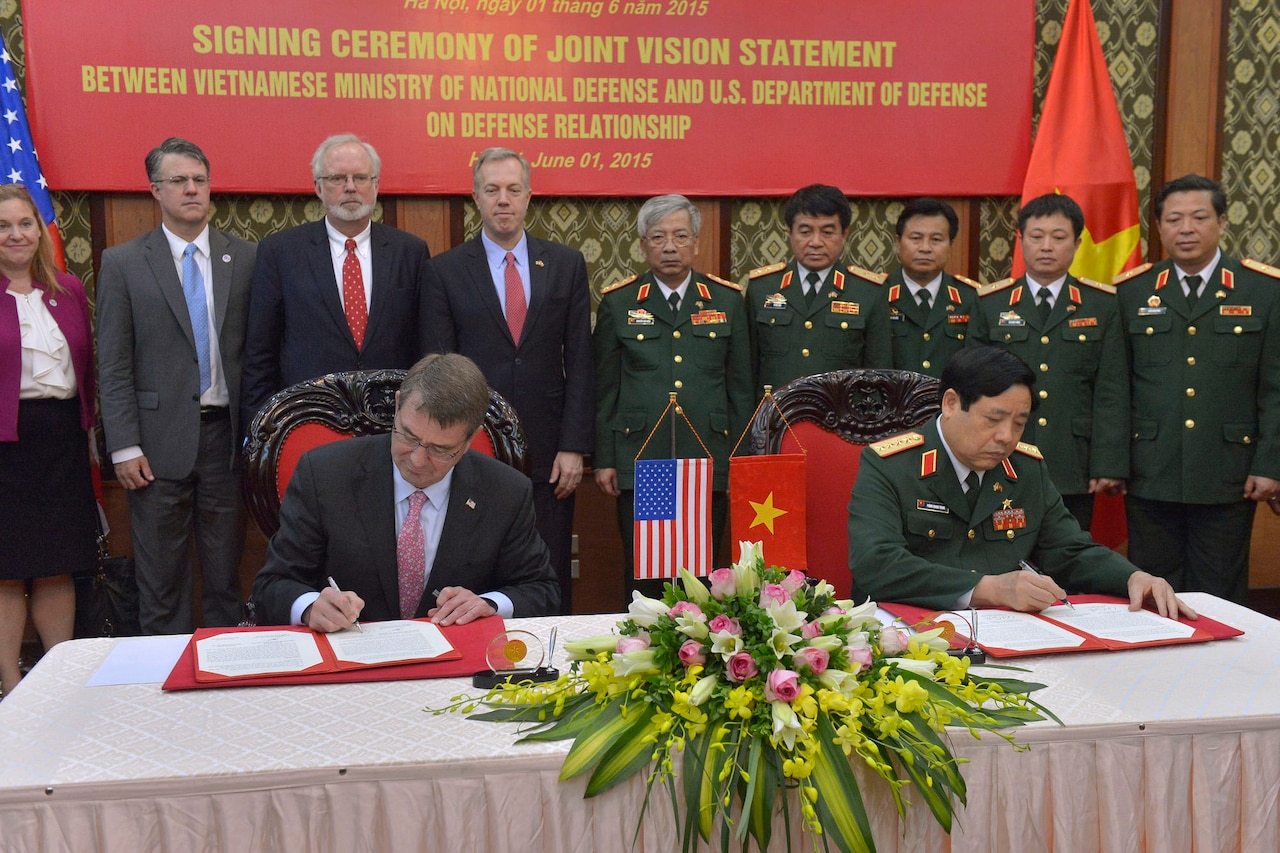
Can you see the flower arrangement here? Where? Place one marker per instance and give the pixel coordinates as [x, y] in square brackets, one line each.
[754, 683]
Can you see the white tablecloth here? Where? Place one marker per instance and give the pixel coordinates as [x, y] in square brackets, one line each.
[1167, 749]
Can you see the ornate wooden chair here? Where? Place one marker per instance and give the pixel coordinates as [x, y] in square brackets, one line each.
[833, 417]
[339, 406]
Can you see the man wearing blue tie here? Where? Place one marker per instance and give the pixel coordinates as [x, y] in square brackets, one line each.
[172, 309]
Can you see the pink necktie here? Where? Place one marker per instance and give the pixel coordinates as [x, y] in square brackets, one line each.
[516, 305]
[353, 301]
[411, 557]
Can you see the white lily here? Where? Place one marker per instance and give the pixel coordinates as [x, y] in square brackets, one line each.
[634, 663]
[646, 611]
[919, 667]
[701, 691]
[786, 725]
[588, 647]
[694, 588]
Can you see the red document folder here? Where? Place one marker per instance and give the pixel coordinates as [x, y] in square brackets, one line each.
[1205, 630]
[470, 641]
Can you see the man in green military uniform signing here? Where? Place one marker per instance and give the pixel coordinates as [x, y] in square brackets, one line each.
[812, 314]
[1068, 330]
[931, 312]
[669, 329]
[1204, 345]
[941, 517]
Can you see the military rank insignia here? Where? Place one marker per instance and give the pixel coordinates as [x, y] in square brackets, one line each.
[639, 317]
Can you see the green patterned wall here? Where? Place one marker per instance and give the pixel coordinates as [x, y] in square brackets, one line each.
[603, 228]
[1252, 136]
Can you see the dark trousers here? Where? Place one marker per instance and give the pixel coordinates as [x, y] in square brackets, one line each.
[1196, 547]
[626, 526]
[163, 517]
[1081, 506]
[555, 524]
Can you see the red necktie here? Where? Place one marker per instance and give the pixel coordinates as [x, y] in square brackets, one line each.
[411, 557]
[516, 305]
[353, 302]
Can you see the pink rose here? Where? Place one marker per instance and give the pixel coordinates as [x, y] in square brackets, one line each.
[632, 644]
[793, 581]
[723, 624]
[723, 584]
[815, 659]
[892, 641]
[692, 653]
[811, 630]
[774, 594]
[861, 656]
[741, 667]
[686, 607]
[782, 685]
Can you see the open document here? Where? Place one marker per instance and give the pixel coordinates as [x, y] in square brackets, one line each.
[1097, 622]
[228, 654]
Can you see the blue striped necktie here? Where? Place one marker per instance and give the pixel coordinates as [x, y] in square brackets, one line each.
[198, 308]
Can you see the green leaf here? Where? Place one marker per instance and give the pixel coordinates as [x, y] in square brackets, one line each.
[759, 808]
[920, 771]
[629, 752]
[753, 783]
[839, 806]
[698, 794]
[590, 745]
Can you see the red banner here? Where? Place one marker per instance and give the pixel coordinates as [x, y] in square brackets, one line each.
[705, 97]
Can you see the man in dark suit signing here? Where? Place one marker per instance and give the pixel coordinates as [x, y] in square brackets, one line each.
[338, 294]
[521, 308]
[410, 524]
[172, 306]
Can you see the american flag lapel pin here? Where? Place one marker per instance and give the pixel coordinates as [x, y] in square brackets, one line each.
[471, 504]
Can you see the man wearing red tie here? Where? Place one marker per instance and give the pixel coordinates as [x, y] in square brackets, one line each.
[338, 294]
[520, 307]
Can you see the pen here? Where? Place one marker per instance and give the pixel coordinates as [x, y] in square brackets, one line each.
[1027, 567]
[333, 585]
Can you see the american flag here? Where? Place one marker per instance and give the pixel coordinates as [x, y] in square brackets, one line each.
[18, 163]
[672, 517]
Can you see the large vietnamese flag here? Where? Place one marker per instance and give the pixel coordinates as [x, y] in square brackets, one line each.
[1080, 150]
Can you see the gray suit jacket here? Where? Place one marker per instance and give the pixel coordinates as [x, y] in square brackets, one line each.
[149, 378]
[338, 520]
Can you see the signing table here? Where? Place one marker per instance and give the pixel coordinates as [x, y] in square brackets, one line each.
[1165, 749]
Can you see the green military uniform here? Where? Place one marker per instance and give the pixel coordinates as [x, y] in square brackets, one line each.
[924, 341]
[912, 538]
[1205, 416]
[642, 354]
[1082, 424]
[1206, 381]
[843, 326]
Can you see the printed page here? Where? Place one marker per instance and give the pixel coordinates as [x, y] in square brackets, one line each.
[383, 642]
[1117, 622]
[240, 653]
[1005, 629]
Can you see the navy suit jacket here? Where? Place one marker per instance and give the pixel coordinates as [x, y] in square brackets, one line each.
[338, 520]
[297, 330]
[549, 377]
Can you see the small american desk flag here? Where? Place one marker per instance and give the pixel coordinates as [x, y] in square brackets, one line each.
[672, 517]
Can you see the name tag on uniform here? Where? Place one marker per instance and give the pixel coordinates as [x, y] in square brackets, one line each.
[1151, 311]
[958, 318]
[775, 301]
[895, 316]
[1011, 318]
[844, 307]
[932, 506]
[1009, 519]
[639, 317]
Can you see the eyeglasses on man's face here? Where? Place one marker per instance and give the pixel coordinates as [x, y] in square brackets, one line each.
[341, 180]
[658, 239]
[180, 181]
[435, 451]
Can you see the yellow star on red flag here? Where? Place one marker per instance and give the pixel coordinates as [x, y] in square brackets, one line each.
[766, 512]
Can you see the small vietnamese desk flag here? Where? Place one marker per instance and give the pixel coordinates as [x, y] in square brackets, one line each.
[1080, 151]
[18, 163]
[767, 505]
[672, 517]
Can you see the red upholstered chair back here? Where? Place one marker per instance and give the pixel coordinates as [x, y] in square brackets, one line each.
[833, 416]
[337, 407]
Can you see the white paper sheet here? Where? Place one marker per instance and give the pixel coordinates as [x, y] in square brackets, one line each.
[257, 652]
[1118, 622]
[139, 660]
[381, 642]
[1005, 629]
